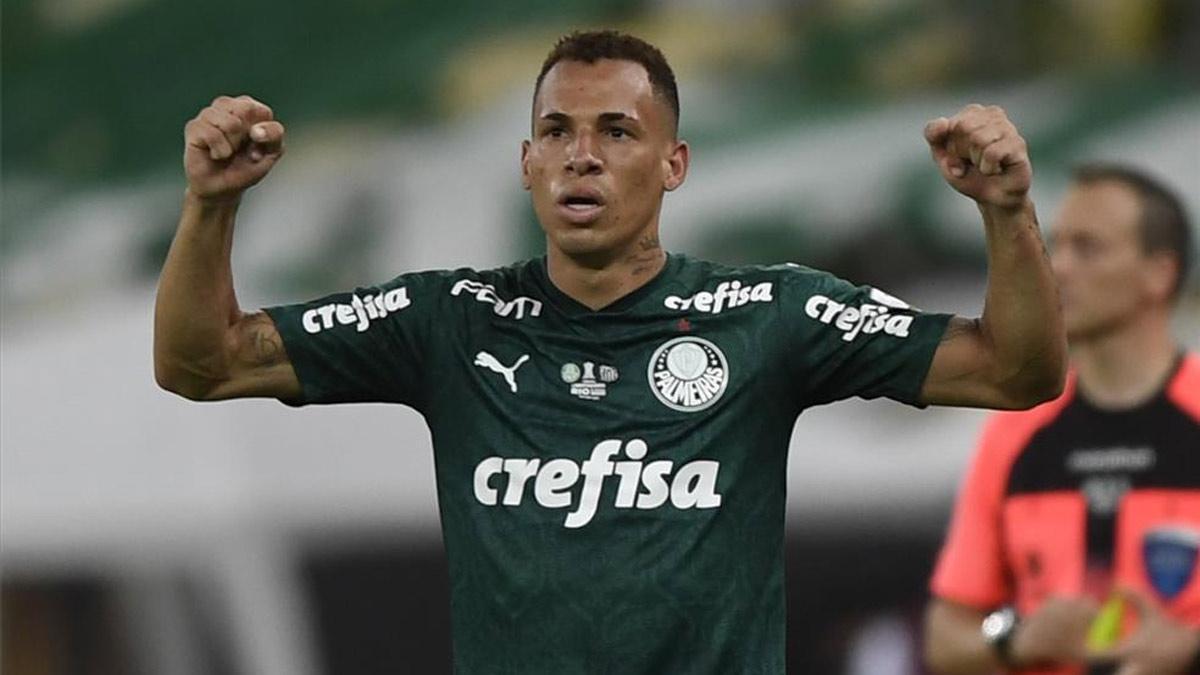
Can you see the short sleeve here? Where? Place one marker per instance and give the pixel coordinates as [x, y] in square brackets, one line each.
[970, 568]
[367, 345]
[848, 340]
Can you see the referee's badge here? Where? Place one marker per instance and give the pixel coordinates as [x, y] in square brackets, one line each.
[688, 373]
[1169, 554]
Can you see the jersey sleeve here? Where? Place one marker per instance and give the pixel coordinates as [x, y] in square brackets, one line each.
[849, 340]
[970, 569]
[371, 344]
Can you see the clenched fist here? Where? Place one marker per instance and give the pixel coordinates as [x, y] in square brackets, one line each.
[230, 146]
[980, 154]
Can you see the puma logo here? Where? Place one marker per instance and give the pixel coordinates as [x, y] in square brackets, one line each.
[486, 360]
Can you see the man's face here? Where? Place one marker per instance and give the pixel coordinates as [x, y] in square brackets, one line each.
[1104, 277]
[602, 153]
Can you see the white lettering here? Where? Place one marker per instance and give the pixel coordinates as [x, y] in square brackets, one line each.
[761, 292]
[654, 478]
[695, 486]
[1111, 460]
[326, 312]
[727, 295]
[359, 312]
[396, 299]
[866, 318]
[813, 307]
[847, 319]
[594, 470]
[898, 325]
[489, 467]
[519, 472]
[309, 319]
[553, 482]
[486, 293]
[644, 485]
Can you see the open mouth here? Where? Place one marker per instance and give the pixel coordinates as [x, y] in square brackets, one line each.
[581, 203]
[581, 198]
[582, 206]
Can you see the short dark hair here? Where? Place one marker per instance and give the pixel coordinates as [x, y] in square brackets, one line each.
[1163, 225]
[591, 46]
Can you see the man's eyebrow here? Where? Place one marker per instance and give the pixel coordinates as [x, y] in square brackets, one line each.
[617, 117]
[604, 117]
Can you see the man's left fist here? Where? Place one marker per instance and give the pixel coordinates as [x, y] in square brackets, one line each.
[980, 154]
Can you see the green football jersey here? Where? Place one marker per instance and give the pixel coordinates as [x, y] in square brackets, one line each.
[612, 483]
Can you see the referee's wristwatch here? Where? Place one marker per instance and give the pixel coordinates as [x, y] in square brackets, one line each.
[998, 629]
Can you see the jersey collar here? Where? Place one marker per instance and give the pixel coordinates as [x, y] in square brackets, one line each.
[573, 308]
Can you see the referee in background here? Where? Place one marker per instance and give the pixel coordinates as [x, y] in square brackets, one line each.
[1091, 500]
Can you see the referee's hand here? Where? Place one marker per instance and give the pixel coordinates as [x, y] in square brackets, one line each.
[230, 146]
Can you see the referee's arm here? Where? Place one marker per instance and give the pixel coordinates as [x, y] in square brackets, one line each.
[1014, 356]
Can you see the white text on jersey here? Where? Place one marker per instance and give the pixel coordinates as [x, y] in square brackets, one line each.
[728, 294]
[487, 293]
[360, 312]
[694, 485]
[865, 318]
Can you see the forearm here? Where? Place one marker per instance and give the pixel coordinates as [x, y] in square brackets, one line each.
[954, 644]
[196, 304]
[1022, 323]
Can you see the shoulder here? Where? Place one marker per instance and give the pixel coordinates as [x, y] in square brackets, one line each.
[1184, 388]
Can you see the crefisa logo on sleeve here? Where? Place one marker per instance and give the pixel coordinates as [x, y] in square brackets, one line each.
[866, 318]
[359, 312]
[688, 373]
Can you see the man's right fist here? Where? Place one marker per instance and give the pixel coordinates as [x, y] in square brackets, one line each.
[230, 146]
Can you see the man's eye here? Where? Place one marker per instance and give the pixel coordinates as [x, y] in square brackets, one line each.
[556, 132]
[618, 132]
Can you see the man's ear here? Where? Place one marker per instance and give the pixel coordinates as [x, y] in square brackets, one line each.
[1160, 271]
[526, 181]
[676, 165]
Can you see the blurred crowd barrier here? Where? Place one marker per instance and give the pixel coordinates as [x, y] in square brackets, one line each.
[146, 535]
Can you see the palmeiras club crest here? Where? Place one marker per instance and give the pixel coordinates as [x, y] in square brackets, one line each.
[688, 373]
[1169, 554]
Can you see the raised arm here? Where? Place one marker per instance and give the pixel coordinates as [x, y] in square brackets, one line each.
[1014, 356]
[205, 347]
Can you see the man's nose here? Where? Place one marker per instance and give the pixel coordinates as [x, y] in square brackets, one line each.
[581, 156]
